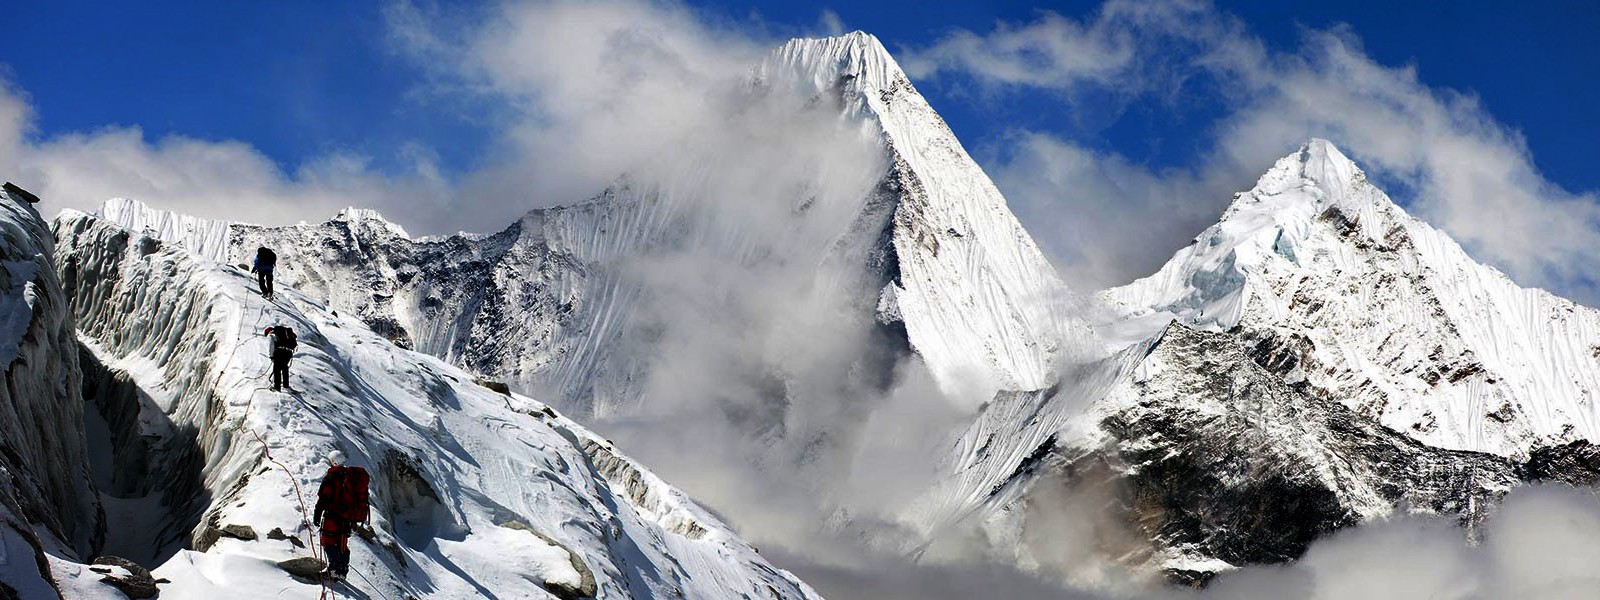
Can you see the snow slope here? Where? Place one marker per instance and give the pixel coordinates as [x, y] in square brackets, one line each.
[1383, 312]
[476, 493]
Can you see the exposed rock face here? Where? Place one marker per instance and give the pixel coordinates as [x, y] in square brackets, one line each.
[127, 576]
[1225, 461]
[305, 567]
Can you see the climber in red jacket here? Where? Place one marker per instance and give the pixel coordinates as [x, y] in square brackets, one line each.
[341, 504]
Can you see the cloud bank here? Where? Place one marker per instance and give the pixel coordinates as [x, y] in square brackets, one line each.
[220, 179]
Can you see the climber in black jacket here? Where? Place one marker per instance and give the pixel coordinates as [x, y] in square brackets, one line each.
[266, 259]
[283, 344]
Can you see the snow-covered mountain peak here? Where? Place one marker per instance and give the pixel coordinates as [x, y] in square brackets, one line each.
[1288, 211]
[366, 217]
[973, 289]
[1319, 163]
[1368, 304]
[1308, 180]
[856, 55]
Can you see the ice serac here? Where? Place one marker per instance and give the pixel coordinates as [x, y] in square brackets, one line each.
[1337, 286]
[48, 505]
[973, 289]
[475, 493]
[206, 237]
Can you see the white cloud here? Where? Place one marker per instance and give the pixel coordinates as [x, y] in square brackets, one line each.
[1099, 215]
[221, 179]
[1541, 543]
[1472, 175]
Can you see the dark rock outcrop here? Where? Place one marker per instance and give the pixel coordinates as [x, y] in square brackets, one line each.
[133, 580]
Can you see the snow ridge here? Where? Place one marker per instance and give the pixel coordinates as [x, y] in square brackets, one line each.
[475, 493]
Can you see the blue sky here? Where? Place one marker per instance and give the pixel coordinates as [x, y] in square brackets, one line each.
[1477, 116]
[297, 79]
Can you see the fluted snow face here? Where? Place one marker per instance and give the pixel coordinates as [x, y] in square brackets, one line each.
[49, 506]
[475, 493]
[978, 298]
[1383, 312]
[206, 237]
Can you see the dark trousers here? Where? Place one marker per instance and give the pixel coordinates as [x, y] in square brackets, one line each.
[336, 545]
[264, 277]
[338, 553]
[280, 373]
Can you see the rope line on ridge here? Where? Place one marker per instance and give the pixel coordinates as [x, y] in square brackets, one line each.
[266, 450]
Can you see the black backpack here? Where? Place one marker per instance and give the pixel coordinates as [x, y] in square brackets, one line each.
[283, 339]
[266, 259]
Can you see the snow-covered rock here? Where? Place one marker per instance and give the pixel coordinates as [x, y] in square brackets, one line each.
[1316, 359]
[475, 493]
[1384, 313]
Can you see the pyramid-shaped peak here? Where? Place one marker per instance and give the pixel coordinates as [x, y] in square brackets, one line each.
[1325, 164]
[856, 54]
[1317, 164]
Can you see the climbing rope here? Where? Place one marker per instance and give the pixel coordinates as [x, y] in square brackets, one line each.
[370, 585]
[326, 592]
[266, 451]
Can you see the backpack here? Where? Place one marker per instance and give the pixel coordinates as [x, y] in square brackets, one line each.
[347, 494]
[266, 259]
[284, 338]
